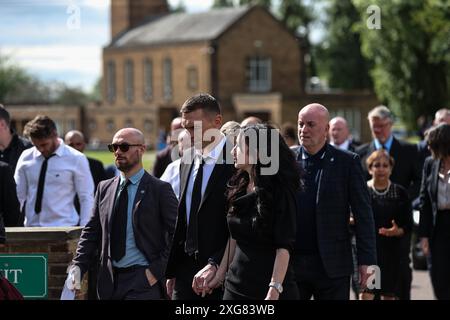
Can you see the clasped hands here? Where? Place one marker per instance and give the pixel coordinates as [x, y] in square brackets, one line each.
[206, 280]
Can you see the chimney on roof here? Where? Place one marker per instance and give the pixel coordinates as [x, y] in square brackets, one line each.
[126, 14]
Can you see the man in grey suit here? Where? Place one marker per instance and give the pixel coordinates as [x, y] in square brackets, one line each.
[133, 220]
[333, 185]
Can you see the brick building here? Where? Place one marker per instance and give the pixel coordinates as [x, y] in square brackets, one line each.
[243, 56]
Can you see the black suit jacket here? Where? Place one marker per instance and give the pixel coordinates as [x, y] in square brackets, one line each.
[163, 159]
[97, 170]
[154, 214]
[9, 205]
[342, 188]
[406, 171]
[211, 218]
[428, 197]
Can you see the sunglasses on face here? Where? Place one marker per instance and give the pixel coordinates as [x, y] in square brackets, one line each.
[124, 147]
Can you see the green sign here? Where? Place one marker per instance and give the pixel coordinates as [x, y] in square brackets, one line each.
[27, 272]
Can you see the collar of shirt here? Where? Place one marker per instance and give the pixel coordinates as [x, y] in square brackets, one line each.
[211, 156]
[59, 151]
[387, 144]
[319, 155]
[343, 146]
[134, 179]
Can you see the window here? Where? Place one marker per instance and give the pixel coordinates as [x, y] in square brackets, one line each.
[92, 125]
[70, 124]
[259, 72]
[148, 125]
[128, 123]
[192, 78]
[129, 85]
[167, 79]
[110, 126]
[148, 79]
[111, 81]
[353, 117]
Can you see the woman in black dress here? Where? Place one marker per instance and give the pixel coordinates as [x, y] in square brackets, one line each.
[434, 225]
[393, 218]
[261, 218]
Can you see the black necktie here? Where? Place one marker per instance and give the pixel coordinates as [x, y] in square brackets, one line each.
[119, 224]
[192, 234]
[41, 183]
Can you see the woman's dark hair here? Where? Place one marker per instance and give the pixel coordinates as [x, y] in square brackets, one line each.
[267, 187]
[438, 139]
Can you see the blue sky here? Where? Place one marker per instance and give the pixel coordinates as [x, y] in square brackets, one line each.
[41, 36]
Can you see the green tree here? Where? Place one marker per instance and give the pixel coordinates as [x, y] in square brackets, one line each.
[298, 18]
[411, 54]
[181, 7]
[11, 77]
[264, 3]
[340, 53]
[96, 93]
[67, 95]
[222, 3]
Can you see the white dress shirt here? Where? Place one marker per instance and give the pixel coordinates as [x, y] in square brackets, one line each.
[67, 174]
[172, 176]
[343, 146]
[210, 159]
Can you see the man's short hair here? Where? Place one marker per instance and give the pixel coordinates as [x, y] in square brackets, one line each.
[4, 114]
[203, 101]
[41, 127]
[441, 113]
[381, 112]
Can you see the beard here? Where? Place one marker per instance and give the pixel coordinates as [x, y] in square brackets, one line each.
[127, 165]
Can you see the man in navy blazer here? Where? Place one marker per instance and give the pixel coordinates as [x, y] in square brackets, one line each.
[334, 185]
[133, 251]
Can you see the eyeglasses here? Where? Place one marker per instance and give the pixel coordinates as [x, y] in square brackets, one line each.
[378, 165]
[124, 147]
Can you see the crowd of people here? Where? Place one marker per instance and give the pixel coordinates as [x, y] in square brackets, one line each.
[251, 210]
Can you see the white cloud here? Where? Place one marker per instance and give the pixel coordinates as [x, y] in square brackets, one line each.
[97, 4]
[54, 59]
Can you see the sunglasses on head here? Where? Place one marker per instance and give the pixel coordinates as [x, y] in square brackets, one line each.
[124, 147]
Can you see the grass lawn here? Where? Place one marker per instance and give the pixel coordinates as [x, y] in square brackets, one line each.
[108, 158]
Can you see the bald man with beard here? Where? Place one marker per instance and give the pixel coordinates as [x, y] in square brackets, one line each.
[133, 220]
[333, 184]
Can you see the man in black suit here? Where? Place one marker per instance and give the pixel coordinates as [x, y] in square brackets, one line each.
[333, 185]
[11, 145]
[406, 172]
[441, 116]
[201, 232]
[75, 139]
[133, 219]
[9, 204]
[339, 135]
[164, 157]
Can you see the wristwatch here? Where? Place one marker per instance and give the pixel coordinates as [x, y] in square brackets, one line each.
[277, 286]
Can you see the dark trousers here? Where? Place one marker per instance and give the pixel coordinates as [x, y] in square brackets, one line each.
[403, 285]
[313, 281]
[132, 284]
[440, 256]
[186, 271]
